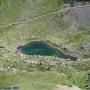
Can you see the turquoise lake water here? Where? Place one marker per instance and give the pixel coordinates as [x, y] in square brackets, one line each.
[40, 48]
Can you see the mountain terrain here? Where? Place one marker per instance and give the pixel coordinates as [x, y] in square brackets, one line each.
[63, 25]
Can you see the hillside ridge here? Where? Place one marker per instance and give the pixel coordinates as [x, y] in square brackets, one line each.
[50, 13]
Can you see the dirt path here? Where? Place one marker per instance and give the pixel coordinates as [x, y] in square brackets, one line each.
[62, 87]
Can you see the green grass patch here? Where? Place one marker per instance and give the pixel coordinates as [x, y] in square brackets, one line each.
[40, 80]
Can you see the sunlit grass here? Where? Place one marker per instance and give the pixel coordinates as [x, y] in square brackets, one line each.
[39, 80]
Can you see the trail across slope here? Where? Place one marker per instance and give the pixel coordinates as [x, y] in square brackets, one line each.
[50, 13]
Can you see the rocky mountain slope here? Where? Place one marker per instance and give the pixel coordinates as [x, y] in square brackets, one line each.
[64, 27]
[68, 27]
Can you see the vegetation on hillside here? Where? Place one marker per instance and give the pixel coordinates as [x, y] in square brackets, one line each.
[36, 72]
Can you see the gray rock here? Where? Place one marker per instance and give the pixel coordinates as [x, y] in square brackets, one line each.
[71, 52]
[88, 81]
[85, 46]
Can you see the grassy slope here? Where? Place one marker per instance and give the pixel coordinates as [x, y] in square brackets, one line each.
[35, 29]
[50, 28]
[12, 11]
[42, 80]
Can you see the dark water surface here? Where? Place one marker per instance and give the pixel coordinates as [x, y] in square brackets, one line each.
[40, 48]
